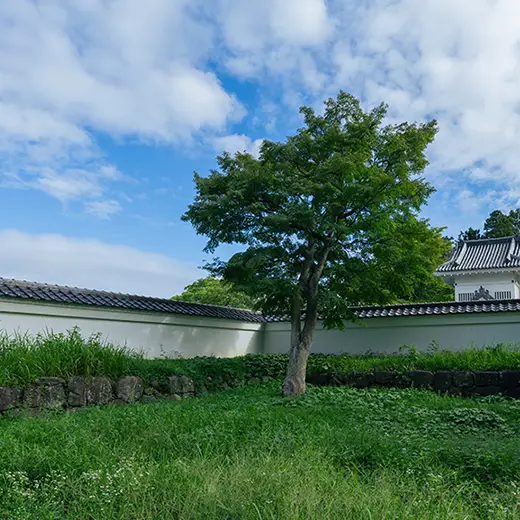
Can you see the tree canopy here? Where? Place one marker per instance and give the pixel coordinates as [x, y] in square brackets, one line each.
[214, 291]
[498, 224]
[327, 219]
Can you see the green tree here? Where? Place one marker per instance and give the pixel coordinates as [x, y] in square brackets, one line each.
[514, 216]
[499, 224]
[434, 290]
[215, 291]
[328, 219]
[471, 234]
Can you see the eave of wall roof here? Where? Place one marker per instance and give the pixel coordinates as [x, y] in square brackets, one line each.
[498, 251]
[62, 295]
[490, 270]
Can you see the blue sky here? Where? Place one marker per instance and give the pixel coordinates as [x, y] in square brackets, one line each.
[108, 106]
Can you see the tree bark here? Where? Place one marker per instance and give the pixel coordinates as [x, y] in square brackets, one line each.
[294, 383]
[301, 339]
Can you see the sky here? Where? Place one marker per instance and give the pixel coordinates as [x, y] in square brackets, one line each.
[107, 107]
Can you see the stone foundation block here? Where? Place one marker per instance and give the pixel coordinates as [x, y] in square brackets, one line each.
[181, 385]
[443, 380]
[130, 389]
[420, 378]
[47, 392]
[486, 378]
[463, 379]
[10, 398]
[509, 378]
[384, 377]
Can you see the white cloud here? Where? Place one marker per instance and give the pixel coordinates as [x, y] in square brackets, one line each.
[146, 70]
[92, 264]
[258, 24]
[125, 68]
[237, 143]
[455, 61]
[103, 209]
[74, 184]
[273, 36]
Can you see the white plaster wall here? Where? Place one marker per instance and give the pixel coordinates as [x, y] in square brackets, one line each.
[158, 334]
[154, 334]
[386, 335]
[491, 281]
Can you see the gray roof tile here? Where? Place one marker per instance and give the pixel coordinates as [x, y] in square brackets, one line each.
[73, 295]
[430, 309]
[23, 290]
[491, 253]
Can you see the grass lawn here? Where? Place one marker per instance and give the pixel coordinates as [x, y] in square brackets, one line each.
[249, 454]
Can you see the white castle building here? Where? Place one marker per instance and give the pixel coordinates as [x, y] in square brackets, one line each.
[486, 269]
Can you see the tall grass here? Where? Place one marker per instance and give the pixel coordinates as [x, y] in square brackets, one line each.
[493, 357]
[24, 358]
[249, 454]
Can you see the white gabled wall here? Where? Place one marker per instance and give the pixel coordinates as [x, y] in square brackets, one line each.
[159, 334]
[493, 282]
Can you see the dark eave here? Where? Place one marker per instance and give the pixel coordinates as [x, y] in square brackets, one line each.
[41, 292]
[492, 254]
[442, 308]
[56, 294]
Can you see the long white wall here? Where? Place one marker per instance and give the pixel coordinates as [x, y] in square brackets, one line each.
[154, 334]
[158, 334]
[386, 335]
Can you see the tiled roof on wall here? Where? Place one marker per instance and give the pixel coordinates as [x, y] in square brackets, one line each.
[73, 295]
[426, 309]
[22, 290]
[490, 253]
[431, 309]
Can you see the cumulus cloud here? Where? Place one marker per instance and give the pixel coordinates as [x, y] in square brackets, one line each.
[259, 24]
[86, 186]
[103, 209]
[123, 68]
[456, 61]
[92, 264]
[237, 143]
[151, 71]
[275, 37]
[120, 67]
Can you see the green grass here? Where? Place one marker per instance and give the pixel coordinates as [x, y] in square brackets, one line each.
[249, 454]
[23, 359]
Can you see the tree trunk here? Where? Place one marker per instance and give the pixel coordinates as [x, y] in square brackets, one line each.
[294, 383]
[301, 340]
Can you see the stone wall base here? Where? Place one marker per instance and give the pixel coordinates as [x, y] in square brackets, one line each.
[465, 383]
[53, 393]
